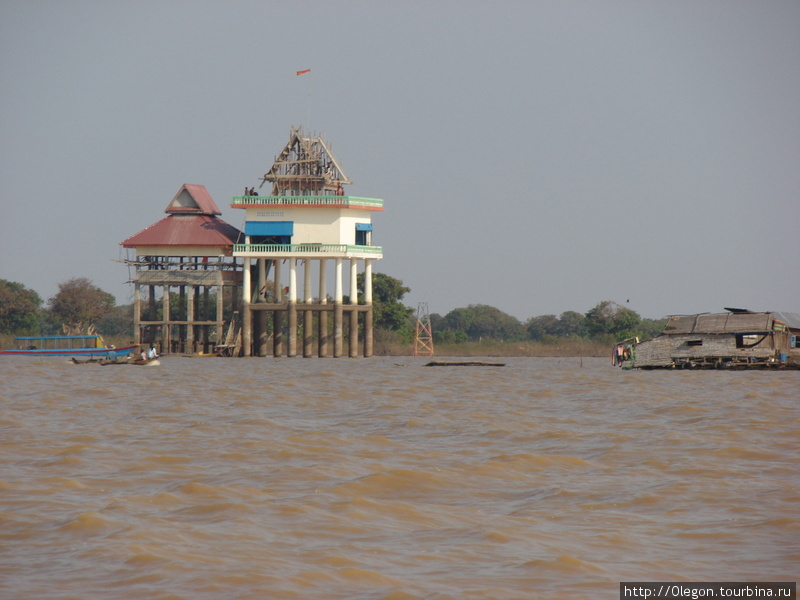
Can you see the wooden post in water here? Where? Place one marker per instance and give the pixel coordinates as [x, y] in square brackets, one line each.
[221, 312]
[165, 328]
[190, 295]
[137, 313]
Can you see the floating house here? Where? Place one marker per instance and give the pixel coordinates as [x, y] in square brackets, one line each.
[186, 281]
[305, 227]
[738, 338]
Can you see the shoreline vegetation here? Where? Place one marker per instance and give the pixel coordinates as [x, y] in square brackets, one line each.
[491, 348]
[486, 348]
[470, 331]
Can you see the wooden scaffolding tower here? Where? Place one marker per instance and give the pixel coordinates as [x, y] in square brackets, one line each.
[306, 166]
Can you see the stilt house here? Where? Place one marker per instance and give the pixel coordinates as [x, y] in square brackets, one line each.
[303, 227]
[189, 251]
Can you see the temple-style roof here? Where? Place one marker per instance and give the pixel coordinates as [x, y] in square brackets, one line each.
[305, 166]
[192, 222]
[193, 199]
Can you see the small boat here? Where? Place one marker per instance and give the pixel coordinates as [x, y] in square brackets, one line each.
[85, 346]
[145, 362]
[139, 362]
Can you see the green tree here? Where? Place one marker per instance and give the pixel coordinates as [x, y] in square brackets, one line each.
[19, 308]
[458, 320]
[118, 321]
[541, 326]
[79, 303]
[483, 321]
[649, 328]
[387, 310]
[571, 324]
[610, 320]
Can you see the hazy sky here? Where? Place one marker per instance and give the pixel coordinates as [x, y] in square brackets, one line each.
[535, 156]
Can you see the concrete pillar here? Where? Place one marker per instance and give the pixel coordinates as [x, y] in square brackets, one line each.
[247, 315]
[277, 315]
[262, 278]
[263, 335]
[308, 315]
[182, 314]
[353, 312]
[322, 333]
[261, 315]
[368, 338]
[338, 315]
[292, 308]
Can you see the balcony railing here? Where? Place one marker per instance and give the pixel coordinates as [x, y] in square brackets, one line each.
[306, 249]
[243, 201]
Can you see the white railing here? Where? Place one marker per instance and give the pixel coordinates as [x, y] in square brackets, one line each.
[287, 249]
[306, 201]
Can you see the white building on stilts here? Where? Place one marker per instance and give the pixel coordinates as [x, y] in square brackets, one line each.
[307, 230]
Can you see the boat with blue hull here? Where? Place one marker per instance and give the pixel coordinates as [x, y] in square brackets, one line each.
[86, 346]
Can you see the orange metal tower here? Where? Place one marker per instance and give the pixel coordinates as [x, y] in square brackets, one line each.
[423, 338]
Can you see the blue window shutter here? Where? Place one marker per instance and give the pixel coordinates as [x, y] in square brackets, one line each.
[269, 228]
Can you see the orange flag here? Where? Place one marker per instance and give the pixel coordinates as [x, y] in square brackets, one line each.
[306, 71]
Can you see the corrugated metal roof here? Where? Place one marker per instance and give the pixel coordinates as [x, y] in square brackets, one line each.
[720, 323]
[195, 199]
[185, 230]
[790, 319]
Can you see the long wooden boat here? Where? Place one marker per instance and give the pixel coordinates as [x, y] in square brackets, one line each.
[66, 345]
[463, 363]
[138, 362]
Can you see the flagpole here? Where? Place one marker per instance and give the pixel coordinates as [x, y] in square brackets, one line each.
[308, 97]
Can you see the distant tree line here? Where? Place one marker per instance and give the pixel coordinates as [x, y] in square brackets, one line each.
[606, 322]
[77, 305]
[80, 303]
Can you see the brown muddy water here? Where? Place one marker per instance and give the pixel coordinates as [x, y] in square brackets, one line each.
[385, 479]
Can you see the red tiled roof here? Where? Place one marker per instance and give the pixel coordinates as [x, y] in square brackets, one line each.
[197, 200]
[185, 230]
